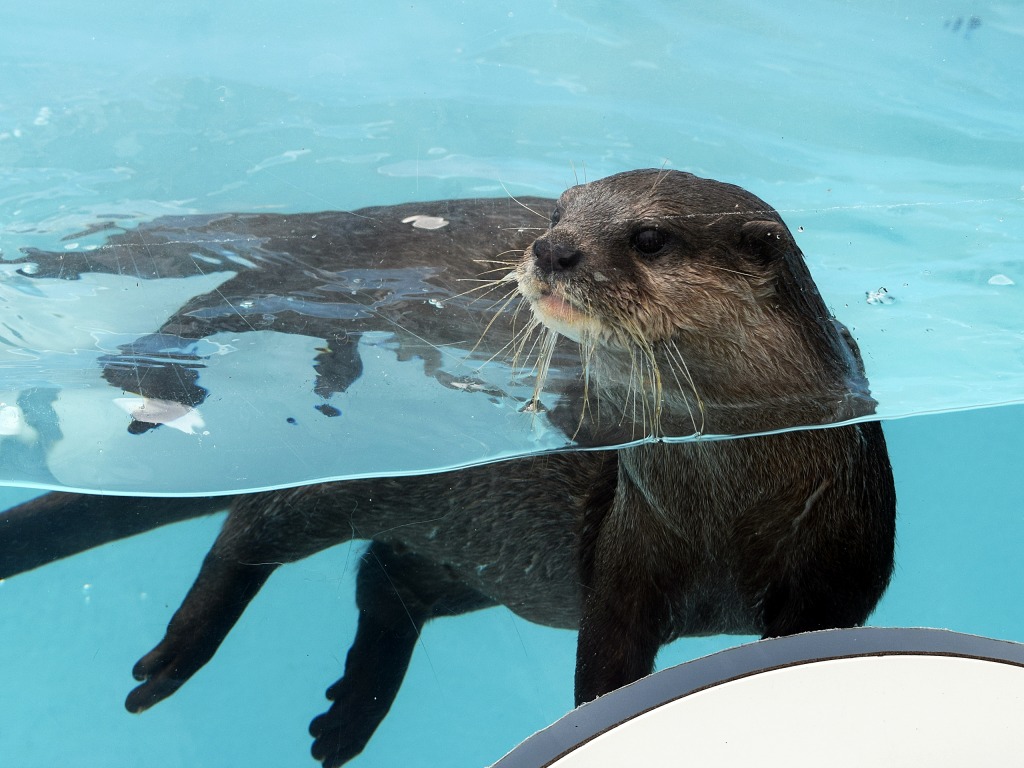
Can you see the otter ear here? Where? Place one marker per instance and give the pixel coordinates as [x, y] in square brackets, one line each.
[765, 240]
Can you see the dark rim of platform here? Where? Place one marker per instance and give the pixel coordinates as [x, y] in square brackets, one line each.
[591, 720]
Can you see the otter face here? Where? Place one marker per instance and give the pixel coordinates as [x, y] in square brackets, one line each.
[691, 304]
[646, 256]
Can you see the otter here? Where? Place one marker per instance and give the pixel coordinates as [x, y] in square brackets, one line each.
[693, 314]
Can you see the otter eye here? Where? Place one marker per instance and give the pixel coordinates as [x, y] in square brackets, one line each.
[649, 241]
[556, 216]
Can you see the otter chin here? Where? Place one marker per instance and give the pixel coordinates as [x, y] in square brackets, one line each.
[559, 315]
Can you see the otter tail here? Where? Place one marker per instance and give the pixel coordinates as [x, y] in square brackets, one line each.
[58, 525]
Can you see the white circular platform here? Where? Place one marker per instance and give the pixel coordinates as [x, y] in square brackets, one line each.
[883, 697]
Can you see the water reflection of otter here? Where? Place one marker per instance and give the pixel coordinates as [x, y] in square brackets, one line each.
[691, 304]
[331, 275]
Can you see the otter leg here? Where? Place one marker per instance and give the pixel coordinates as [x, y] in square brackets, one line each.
[214, 603]
[624, 614]
[262, 531]
[825, 594]
[618, 640]
[396, 593]
[839, 561]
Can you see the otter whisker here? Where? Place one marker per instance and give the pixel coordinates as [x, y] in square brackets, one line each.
[633, 392]
[641, 364]
[587, 349]
[510, 264]
[508, 276]
[672, 355]
[644, 388]
[630, 395]
[486, 284]
[519, 338]
[518, 251]
[517, 342]
[547, 351]
[730, 271]
[653, 395]
[575, 174]
[588, 346]
[521, 204]
[504, 302]
[659, 177]
[674, 350]
[521, 352]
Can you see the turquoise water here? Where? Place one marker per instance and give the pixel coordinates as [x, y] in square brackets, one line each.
[887, 133]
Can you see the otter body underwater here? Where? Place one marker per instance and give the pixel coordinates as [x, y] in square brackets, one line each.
[694, 313]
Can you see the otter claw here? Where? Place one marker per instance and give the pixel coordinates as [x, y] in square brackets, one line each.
[161, 674]
[334, 742]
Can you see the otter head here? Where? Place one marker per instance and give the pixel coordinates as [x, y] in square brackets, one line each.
[688, 286]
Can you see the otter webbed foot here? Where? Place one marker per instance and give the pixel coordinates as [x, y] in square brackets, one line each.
[396, 593]
[162, 671]
[216, 600]
[360, 700]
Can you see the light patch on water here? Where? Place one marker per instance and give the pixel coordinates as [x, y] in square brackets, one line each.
[13, 423]
[353, 159]
[43, 117]
[1000, 280]
[152, 411]
[422, 221]
[239, 259]
[204, 258]
[285, 157]
[880, 296]
[570, 84]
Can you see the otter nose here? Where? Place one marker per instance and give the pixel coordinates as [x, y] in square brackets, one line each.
[555, 256]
